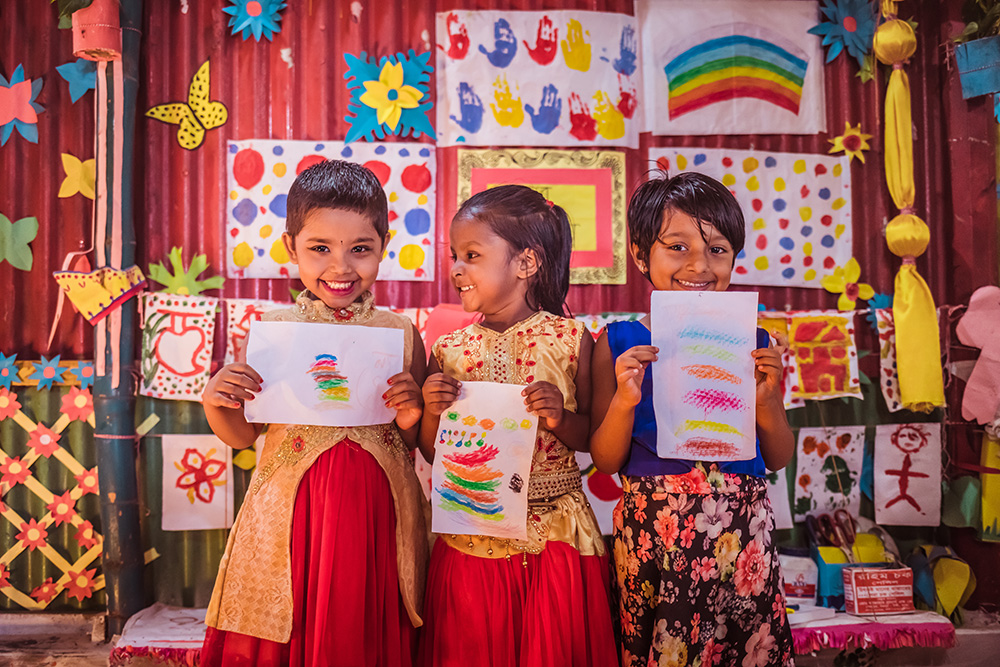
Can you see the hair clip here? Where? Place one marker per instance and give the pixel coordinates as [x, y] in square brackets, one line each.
[548, 202]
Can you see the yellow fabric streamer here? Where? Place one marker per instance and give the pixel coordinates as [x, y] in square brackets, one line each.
[918, 346]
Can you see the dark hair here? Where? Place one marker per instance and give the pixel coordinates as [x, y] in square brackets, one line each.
[525, 219]
[697, 195]
[339, 185]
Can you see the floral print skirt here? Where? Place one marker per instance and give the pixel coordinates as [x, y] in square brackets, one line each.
[697, 572]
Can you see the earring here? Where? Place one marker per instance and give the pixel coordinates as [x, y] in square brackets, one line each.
[642, 267]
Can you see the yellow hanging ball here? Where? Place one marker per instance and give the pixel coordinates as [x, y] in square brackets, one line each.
[895, 42]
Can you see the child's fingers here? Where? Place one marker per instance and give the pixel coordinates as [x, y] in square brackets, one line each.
[445, 379]
[780, 338]
[222, 400]
[247, 370]
[397, 389]
[236, 391]
[239, 380]
[399, 378]
[643, 356]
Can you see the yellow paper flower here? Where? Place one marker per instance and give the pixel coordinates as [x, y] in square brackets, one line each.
[844, 281]
[852, 142]
[388, 96]
[80, 176]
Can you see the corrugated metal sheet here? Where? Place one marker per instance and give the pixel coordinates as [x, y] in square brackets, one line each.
[302, 95]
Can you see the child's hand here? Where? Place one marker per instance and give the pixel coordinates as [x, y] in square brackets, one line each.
[403, 396]
[439, 392]
[545, 400]
[231, 386]
[630, 369]
[768, 370]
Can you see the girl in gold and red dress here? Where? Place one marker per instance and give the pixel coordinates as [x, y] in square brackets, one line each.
[544, 601]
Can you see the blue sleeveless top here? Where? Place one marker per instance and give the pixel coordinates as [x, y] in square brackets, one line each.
[642, 460]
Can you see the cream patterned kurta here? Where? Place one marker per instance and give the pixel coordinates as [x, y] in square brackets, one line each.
[253, 592]
[543, 347]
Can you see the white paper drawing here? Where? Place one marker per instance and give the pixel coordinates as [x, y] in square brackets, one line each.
[908, 474]
[197, 483]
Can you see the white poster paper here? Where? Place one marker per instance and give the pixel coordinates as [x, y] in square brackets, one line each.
[732, 67]
[239, 314]
[828, 472]
[321, 374]
[197, 483]
[777, 493]
[482, 462]
[552, 78]
[908, 474]
[704, 391]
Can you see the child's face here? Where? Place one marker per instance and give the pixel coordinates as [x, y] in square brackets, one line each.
[680, 259]
[487, 275]
[337, 253]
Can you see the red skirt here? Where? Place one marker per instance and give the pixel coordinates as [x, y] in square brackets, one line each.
[498, 613]
[347, 605]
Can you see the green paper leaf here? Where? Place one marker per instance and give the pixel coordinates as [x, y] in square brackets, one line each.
[14, 240]
[182, 280]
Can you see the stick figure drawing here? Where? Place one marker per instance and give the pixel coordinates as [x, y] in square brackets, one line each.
[908, 474]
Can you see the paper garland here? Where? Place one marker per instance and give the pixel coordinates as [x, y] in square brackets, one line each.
[828, 470]
[197, 483]
[533, 78]
[797, 207]
[908, 474]
[261, 171]
[731, 67]
[888, 376]
[96, 294]
[177, 339]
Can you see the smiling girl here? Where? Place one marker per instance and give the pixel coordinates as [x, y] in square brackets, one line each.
[544, 601]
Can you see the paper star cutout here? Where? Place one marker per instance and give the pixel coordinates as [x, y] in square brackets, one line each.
[256, 17]
[8, 371]
[18, 108]
[46, 372]
[84, 372]
[81, 77]
[852, 142]
[80, 176]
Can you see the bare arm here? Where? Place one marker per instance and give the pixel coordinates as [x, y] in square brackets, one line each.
[403, 394]
[439, 392]
[545, 400]
[777, 444]
[223, 401]
[617, 389]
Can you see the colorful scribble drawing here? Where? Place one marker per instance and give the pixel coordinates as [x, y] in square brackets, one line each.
[729, 62]
[823, 348]
[331, 384]
[470, 485]
[909, 439]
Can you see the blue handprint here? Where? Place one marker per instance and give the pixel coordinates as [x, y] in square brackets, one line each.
[471, 107]
[505, 44]
[625, 62]
[549, 111]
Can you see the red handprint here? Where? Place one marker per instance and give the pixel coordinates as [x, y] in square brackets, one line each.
[584, 127]
[626, 96]
[546, 42]
[458, 38]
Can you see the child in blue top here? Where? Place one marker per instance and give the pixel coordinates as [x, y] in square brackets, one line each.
[696, 568]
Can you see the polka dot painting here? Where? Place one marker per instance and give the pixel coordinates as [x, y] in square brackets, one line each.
[797, 209]
[261, 171]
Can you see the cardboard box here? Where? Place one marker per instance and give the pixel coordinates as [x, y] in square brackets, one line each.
[878, 590]
[831, 561]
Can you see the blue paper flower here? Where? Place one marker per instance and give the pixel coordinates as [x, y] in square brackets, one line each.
[81, 77]
[877, 302]
[850, 24]
[255, 17]
[8, 371]
[381, 102]
[46, 372]
[84, 372]
[18, 98]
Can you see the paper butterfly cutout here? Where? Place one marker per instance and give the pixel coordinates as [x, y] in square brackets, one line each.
[98, 293]
[196, 115]
[14, 240]
[80, 176]
[18, 108]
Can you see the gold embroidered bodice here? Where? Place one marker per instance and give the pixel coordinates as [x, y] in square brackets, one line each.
[253, 592]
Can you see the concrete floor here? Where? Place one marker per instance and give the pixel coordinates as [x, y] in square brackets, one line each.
[53, 640]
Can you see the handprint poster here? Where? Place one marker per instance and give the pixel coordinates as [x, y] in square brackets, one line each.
[828, 470]
[322, 375]
[482, 461]
[732, 67]
[704, 391]
[532, 78]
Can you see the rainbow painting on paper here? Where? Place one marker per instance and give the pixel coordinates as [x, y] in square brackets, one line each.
[703, 380]
[729, 67]
[331, 384]
[731, 61]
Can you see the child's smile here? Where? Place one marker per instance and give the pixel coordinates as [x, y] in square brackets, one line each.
[683, 259]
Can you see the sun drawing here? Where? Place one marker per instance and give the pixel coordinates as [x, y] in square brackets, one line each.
[852, 142]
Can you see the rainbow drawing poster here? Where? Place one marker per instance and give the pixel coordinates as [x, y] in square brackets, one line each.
[797, 208]
[704, 391]
[732, 67]
[261, 171]
[322, 375]
[482, 461]
[537, 78]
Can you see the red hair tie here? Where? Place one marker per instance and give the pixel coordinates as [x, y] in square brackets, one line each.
[549, 203]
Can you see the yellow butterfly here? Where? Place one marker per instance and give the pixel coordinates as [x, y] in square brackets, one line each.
[194, 116]
[79, 176]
